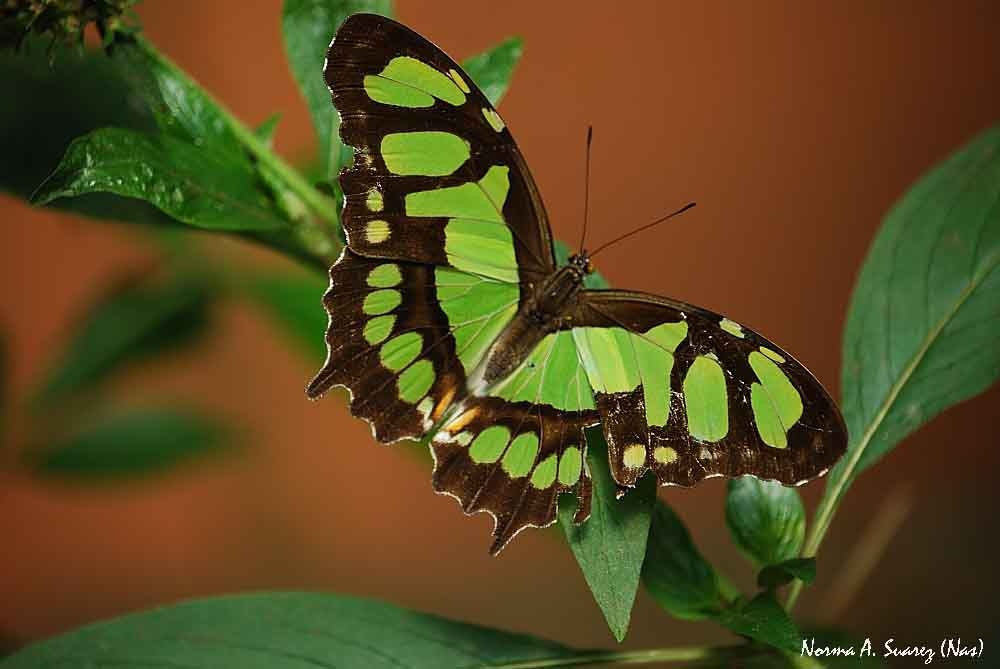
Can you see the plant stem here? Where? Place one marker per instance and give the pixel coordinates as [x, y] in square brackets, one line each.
[681, 654]
[323, 207]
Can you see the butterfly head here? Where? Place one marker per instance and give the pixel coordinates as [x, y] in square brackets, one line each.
[580, 262]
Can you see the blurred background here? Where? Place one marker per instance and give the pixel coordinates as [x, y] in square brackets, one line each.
[794, 125]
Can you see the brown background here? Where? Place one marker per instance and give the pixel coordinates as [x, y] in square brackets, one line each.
[794, 125]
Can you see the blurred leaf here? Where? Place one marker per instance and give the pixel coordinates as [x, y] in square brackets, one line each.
[197, 187]
[767, 520]
[781, 573]
[818, 638]
[762, 619]
[180, 106]
[493, 69]
[294, 303]
[676, 574]
[921, 330]
[308, 27]
[137, 321]
[139, 442]
[611, 545]
[284, 630]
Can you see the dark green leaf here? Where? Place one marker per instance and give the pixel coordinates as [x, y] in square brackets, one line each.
[135, 322]
[128, 444]
[610, 547]
[921, 330]
[775, 575]
[284, 630]
[676, 574]
[762, 619]
[308, 27]
[767, 519]
[493, 69]
[197, 187]
[37, 124]
[181, 108]
[294, 303]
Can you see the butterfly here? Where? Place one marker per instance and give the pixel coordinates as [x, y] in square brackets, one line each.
[451, 321]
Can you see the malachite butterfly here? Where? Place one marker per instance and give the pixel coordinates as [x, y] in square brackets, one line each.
[451, 321]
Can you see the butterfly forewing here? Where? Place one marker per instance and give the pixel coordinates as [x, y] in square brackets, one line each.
[436, 177]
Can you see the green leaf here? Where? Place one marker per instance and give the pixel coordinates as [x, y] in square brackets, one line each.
[921, 330]
[284, 630]
[135, 443]
[762, 619]
[767, 520]
[921, 327]
[37, 124]
[137, 321]
[181, 108]
[308, 27]
[781, 573]
[493, 69]
[676, 574]
[192, 185]
[611, 545]
[293, 303]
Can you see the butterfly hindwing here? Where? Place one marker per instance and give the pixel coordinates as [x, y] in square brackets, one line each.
[690, 394]
[513, 459]
[389, 343]
[436, 177]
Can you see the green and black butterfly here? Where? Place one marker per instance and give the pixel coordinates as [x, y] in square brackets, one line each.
[451, 321]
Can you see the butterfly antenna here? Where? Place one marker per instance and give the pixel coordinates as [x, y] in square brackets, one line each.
[586, 189]
[600, 248]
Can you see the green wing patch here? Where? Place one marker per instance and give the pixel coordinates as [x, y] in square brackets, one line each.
[551, 375]
[477, 309]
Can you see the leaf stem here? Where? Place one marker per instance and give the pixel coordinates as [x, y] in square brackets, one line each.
[831, 499]
[322, 206]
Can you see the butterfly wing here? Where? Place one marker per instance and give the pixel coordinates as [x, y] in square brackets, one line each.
[690, 394]
[445, 229]
[512, 451]
[436, 177]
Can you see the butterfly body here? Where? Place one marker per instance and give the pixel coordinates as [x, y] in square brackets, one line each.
[452, 322]
[549, 307]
